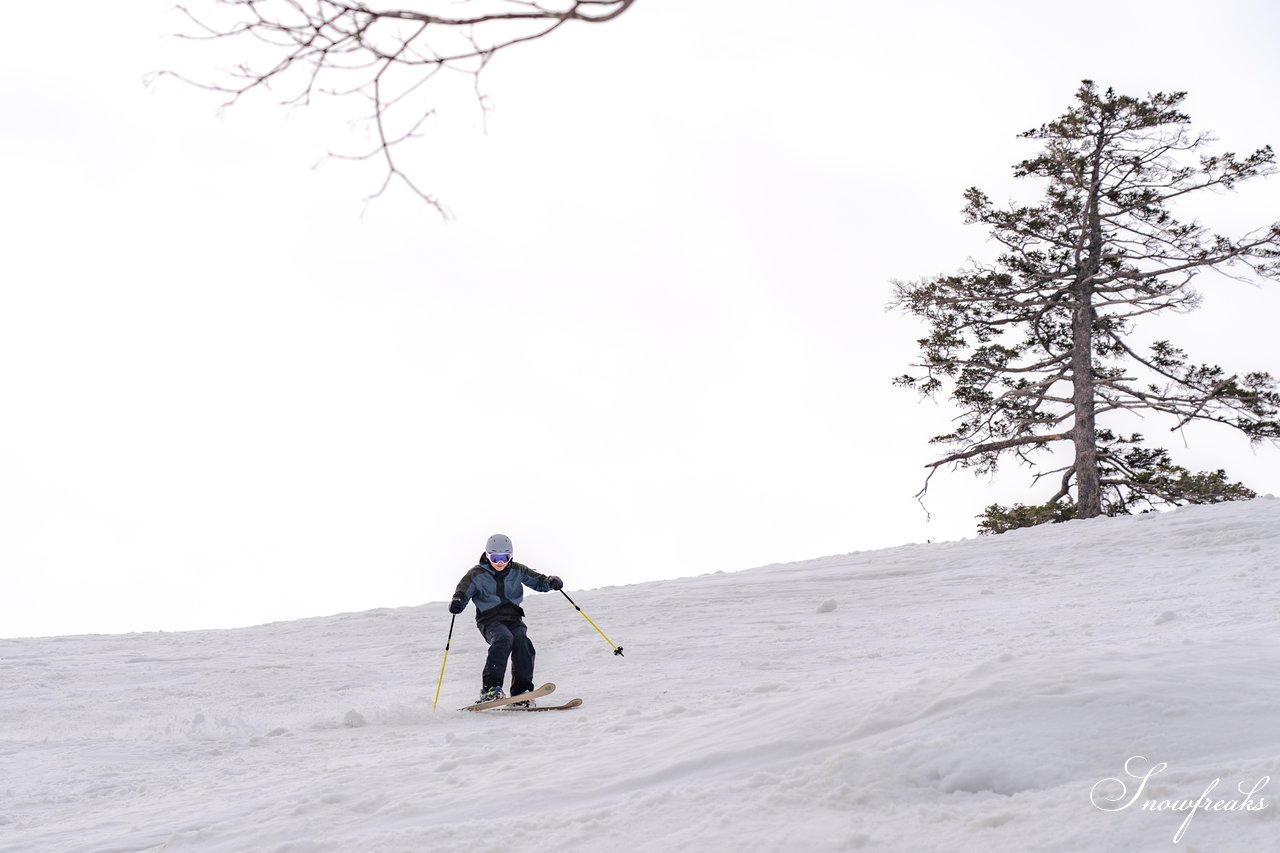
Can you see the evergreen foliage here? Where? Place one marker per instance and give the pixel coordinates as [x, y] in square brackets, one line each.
[999, 519]
[1038, 346]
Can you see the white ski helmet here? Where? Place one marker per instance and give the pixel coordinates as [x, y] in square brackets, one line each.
[498, 544]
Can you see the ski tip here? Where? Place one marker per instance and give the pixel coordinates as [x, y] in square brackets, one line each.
[544, 690]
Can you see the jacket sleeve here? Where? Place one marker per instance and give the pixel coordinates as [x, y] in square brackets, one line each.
[464, 588]
[535, 580]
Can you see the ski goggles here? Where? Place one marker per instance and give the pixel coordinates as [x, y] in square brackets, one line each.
[499, 558]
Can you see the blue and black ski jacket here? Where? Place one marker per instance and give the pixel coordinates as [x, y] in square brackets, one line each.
[498, 594]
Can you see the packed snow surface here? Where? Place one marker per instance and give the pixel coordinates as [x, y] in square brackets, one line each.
[1110, 685]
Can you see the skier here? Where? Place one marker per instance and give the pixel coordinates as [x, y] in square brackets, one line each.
[495, 585]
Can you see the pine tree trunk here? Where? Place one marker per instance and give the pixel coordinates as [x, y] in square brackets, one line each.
[1085, 431]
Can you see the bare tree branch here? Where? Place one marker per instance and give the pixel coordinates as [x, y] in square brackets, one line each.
[380, 58]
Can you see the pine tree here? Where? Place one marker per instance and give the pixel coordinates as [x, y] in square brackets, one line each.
[1038, 347]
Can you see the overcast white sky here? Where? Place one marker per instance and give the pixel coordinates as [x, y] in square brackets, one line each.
[652, 342]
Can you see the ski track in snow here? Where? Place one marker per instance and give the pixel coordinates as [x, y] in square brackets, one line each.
[955, 696]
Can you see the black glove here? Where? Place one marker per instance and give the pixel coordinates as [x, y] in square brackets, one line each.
[556, 583]
[456, 605]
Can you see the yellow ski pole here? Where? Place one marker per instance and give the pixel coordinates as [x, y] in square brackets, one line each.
[617, 650]
[446, 660]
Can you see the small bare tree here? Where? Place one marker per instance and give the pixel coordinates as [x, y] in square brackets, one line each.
[382, 58]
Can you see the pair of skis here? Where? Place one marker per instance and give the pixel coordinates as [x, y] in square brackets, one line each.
[505, 704]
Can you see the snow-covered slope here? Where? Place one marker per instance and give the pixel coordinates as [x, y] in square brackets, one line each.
[956, 696]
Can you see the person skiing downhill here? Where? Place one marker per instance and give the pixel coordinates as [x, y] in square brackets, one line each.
[496, 584]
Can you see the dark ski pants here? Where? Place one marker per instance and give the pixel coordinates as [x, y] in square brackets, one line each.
[508, 640]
